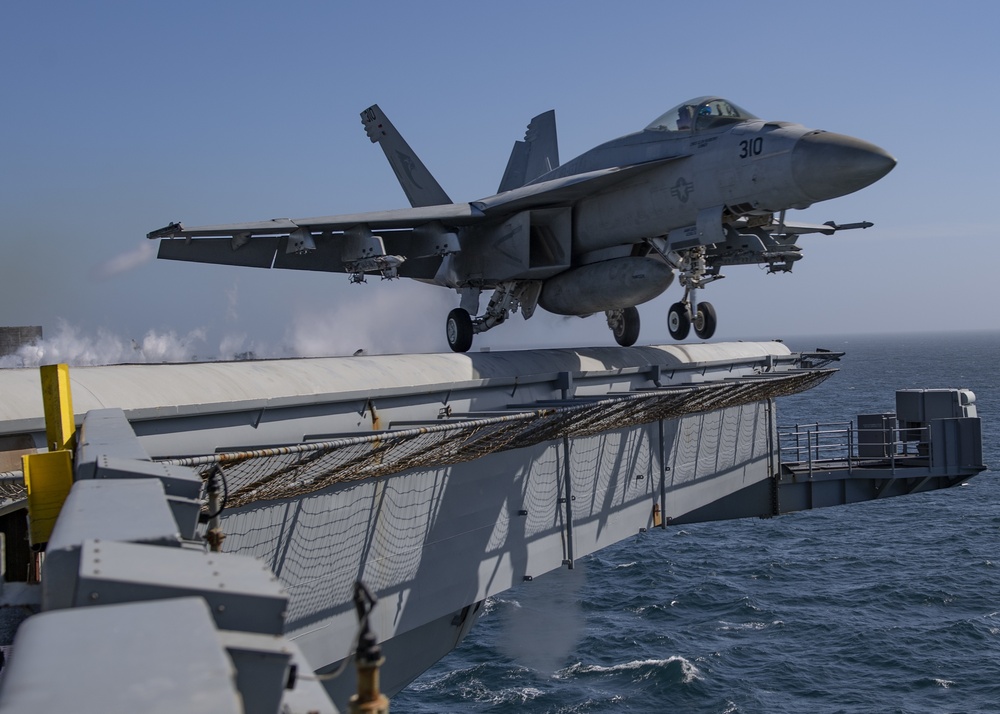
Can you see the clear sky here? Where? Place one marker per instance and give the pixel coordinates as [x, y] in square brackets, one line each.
[119, 117]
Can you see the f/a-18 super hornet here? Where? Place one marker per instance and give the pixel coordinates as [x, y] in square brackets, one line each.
[705, 185]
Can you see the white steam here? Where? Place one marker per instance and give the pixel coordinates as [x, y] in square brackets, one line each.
[124, 262]
[71, 347]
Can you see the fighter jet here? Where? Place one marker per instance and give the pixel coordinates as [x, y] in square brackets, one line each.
[703, 186]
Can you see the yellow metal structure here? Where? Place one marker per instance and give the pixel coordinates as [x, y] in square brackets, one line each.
[49, 476]
[60, 425]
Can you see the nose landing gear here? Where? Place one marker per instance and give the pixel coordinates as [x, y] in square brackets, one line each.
[680, 320]
[704, 320]
[688, 313]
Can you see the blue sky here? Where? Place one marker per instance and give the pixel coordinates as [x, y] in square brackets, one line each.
[119, 117]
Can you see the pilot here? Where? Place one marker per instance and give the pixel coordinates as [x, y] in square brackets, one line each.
[684, 118]
[704, 116]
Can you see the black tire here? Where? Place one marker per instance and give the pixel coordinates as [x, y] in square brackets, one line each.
[705, 320]
[458, 330]
[679, 321]
[627, 331]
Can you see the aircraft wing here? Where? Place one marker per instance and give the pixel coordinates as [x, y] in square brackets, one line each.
[345, 243]
[453, 214]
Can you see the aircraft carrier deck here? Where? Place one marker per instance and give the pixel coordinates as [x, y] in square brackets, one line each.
[437, 480]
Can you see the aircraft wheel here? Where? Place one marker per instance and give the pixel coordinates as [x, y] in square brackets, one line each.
[626, 332]
[679, 321]
[705, 320]
[458, 329]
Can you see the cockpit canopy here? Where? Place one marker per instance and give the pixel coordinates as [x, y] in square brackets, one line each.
[700, 114]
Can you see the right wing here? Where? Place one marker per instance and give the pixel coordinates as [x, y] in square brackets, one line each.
[418, 237]
[343, 244]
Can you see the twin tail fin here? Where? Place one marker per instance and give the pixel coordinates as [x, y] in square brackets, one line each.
[537, 155]
[418, 184]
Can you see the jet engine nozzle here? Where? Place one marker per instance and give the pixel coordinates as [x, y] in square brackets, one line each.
[827, 165]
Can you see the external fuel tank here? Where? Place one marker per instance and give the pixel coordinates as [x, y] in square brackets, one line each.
[609, 285]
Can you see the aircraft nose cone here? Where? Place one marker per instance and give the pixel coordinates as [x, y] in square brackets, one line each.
[827, 165]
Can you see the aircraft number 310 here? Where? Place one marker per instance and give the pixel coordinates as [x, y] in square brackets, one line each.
[751, 147]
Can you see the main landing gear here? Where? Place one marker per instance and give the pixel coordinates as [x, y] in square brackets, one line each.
[624, 325]
[458, 329]
[508, 297]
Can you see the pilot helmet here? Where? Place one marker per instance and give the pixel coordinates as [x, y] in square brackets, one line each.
[704, 110]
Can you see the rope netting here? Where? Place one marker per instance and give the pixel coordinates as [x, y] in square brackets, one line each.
[12, 486]
[287, 471]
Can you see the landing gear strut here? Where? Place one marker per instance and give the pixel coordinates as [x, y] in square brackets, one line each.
[688, 313]
[508, 297]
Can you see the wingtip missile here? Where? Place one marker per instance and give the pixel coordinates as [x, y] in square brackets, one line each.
[170, 231]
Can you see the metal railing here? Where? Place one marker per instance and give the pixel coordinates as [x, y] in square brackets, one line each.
[843, 445]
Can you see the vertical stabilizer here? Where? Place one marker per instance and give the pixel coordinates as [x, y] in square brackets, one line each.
[419, 186]
[535, 156]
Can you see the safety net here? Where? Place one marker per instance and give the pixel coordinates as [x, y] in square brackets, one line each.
[287, 471]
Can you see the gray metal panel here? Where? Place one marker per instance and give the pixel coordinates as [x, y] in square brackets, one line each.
[307, 694]
[910, 405]
[255, 253]
[105, 432]
[186, 512]
[177, 481]
[101, 660]
[241, 592]
[262, 669]
[133, 510]
[875, 435]
[127, 510]
[956, 443]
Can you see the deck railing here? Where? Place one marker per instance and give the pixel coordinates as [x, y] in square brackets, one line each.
[822, 445]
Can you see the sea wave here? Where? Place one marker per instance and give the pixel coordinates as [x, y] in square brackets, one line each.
[644, 669]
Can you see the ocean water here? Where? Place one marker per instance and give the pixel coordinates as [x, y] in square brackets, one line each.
[889, 606]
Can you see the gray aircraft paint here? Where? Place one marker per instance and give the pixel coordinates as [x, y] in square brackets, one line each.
[703, 186]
